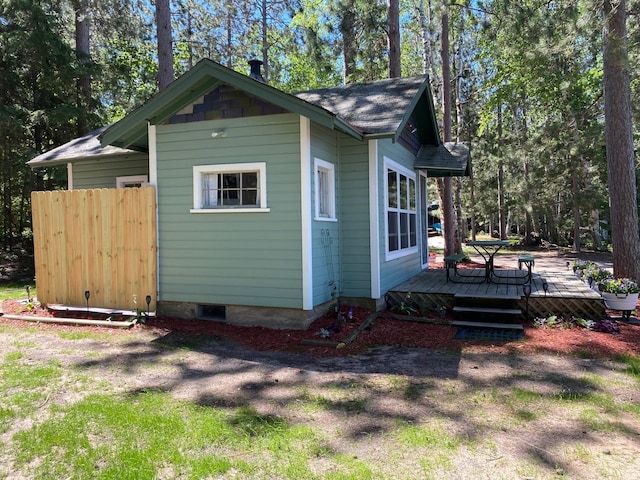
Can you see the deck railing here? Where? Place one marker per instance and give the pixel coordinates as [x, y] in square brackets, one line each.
[100, 241]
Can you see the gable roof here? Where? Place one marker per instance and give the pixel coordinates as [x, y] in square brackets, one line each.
[78, 149]
[375, 110]
[380, 108]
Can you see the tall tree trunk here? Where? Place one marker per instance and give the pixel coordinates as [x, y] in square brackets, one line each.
[83, 52]
[595, 227]
[393, 37]
[594, 214]
[578, 173]
[444, 184]
[189, 40]
[426, 43]
[528, 207]
[461, 225]
[265, 42]
[229, 28]
[472, 197]
[347, 31]
[501, 208]
[165, 43]
[619, 143]
[575, 192]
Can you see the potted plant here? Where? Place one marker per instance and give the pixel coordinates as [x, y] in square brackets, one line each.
[596, 276]
[619, 293]
[580, 268]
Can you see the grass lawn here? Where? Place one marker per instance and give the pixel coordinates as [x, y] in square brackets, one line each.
[134, 405]
[16, 290]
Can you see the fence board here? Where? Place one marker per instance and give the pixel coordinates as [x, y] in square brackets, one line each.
[101, 240]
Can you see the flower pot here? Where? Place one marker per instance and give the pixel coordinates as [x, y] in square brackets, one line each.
[620, 301]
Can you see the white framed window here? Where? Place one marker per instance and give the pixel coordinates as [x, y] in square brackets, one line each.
[325, 190]
[401, 210]
[230, 188]
[132, 181]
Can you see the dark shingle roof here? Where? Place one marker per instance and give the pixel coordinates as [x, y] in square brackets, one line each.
[87, 146]
[448, 159]
[373, 108]
[378, 109]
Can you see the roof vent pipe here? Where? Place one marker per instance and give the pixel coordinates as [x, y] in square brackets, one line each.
[256, 74]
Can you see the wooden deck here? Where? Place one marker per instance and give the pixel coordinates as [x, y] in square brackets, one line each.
[566, 295]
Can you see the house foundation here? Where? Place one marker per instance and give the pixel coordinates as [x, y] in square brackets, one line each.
[246, 316]
[249, 316]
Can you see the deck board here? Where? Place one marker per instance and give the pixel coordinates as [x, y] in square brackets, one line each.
[566, 294]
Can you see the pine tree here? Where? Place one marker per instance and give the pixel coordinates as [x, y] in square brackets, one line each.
[619, 141]
[165, 43]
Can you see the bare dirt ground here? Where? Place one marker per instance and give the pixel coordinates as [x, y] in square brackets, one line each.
[470, 394]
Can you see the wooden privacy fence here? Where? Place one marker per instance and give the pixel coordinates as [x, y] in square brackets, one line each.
[102, 241]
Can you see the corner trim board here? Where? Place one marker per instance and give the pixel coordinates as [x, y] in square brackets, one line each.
[69, 176]
[153, 180]
[306, 214]
[374, 219]
[153, 156]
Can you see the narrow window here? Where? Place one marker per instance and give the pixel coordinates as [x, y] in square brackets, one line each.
[325, 191]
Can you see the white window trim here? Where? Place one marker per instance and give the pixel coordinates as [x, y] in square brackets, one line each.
[330, 168]
[199, 170]
[391, 165]
[122, 182]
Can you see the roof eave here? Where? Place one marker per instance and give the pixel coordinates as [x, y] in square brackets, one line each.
[380, 135]
[446, 172]
[95, 158]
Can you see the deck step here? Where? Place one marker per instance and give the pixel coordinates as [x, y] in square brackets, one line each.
[487, 296]
[483, 310]
[505, 326]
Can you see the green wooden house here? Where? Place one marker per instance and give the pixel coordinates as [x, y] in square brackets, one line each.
[271, 205]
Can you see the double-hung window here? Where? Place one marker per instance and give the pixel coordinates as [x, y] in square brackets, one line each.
[229, 188]
[401, 210]
[325, 190]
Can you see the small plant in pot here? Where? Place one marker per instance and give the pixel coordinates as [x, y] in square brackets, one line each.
[581, 268]
[596, 276]
[619, 293]
[620, 286]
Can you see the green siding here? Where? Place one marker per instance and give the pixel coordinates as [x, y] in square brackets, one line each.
[250, 259]
[102, 173]
[325, 235]
[393, 272]
[354, 217]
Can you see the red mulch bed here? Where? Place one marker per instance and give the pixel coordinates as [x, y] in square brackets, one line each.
[385, 331]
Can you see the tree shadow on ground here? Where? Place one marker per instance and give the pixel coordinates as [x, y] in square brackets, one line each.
[479, 396]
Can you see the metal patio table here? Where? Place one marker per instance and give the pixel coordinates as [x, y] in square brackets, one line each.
[487, 250]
